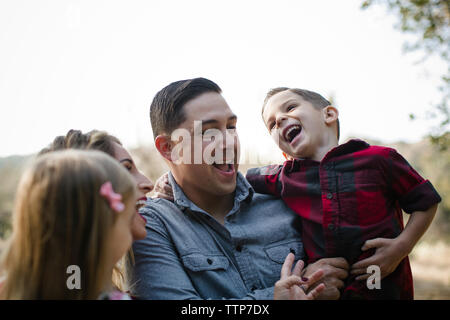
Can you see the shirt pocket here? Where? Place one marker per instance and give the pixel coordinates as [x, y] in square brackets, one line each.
[198, 262]
[278, 251]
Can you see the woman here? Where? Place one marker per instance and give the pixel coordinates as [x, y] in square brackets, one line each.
[102, 141]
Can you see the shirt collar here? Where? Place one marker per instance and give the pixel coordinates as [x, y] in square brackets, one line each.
[244, 192]
[350, 146]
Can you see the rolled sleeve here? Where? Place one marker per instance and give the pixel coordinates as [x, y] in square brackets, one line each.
[420, 198]
[413, 192]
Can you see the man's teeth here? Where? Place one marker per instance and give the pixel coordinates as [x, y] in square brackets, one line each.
[223, 167]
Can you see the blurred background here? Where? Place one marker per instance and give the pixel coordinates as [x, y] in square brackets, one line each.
[97, 65]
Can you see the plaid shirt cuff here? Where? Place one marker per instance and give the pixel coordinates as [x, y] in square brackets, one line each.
[420, 198]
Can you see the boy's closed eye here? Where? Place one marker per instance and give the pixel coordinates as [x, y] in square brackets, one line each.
[290, 107]
[271, 126]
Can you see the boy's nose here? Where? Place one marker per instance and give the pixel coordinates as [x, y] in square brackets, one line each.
[280, 120]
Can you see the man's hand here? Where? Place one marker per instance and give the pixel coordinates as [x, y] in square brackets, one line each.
[163, 189]
[389, 253]
[335, 271]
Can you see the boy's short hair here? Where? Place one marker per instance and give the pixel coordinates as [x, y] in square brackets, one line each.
[166, 110]
[318, 101]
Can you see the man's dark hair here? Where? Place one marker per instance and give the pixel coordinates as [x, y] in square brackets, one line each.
[166, 110]
[314, 98]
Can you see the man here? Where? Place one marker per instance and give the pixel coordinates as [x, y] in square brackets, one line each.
[218, 239]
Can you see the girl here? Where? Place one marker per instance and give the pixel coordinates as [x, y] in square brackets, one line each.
[73, 208]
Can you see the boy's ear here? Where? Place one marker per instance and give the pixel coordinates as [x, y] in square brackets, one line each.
[331, 114]
[164, 146]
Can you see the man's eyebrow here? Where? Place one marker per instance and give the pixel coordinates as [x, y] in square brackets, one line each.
[233, 117]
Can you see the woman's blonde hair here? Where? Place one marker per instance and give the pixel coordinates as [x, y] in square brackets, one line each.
[60, 219]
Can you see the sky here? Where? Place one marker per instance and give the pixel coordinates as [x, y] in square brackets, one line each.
[98, 64]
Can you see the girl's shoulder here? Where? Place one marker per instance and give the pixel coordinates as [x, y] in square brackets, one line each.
[114, 295]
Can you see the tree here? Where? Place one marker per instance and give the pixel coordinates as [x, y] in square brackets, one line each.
[429, 20]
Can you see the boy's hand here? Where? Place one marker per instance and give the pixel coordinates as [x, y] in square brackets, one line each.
[163, 189]
[292, 287]
[389, 253]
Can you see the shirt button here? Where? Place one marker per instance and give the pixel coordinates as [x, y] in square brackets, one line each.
[331, 227]
[292, 250]
[329, 195]
[209, 261]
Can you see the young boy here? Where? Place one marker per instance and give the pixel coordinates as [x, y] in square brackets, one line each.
[350, 196]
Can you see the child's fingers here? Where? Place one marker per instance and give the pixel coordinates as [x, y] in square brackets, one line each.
[373, 243]
[358, 271]
[162, 196]
[287, 266]
[314, 293]
[168, 189]
[365, 263]
[363, 277]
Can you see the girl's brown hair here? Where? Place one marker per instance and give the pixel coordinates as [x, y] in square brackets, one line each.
[60, 219]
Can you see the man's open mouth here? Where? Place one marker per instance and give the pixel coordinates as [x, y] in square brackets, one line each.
[225, 167]
[291, 132]
[226, 170]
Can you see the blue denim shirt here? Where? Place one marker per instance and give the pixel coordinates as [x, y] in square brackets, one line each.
[187, 254]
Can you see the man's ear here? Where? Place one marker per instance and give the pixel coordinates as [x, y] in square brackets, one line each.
[164, 146]
[330, 114]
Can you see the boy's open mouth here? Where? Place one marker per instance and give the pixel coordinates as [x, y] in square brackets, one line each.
[290, 132]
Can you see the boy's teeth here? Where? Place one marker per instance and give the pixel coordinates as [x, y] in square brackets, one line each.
[287, 135]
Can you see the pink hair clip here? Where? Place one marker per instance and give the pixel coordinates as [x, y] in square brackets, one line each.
[114, 199]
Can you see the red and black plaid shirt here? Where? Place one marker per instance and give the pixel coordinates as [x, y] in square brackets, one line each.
[354, 194]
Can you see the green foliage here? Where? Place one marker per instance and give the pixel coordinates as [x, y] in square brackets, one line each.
[429, 20]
